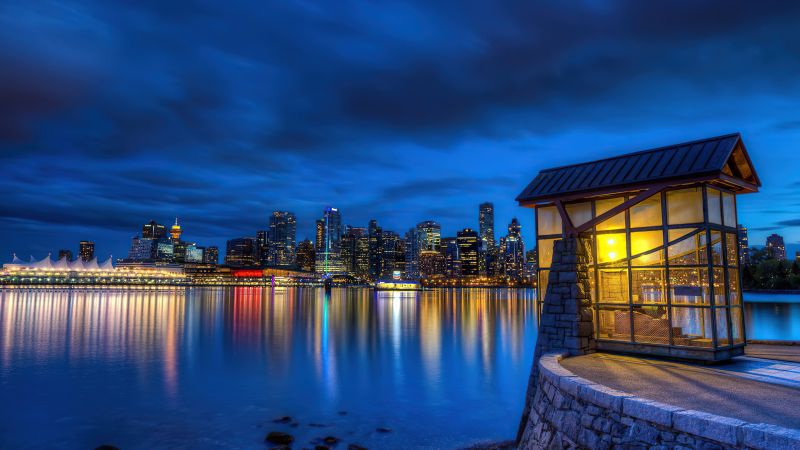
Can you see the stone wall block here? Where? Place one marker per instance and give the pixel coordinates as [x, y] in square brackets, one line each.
[710, 426]
[763, 436]
[649, 410]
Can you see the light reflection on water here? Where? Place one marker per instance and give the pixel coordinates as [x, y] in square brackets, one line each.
[211, 367]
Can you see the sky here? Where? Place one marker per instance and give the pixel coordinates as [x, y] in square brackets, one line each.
[116, 113]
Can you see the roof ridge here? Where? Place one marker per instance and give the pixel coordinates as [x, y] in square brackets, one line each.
[640, 152]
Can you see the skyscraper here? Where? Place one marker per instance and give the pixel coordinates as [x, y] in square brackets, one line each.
[393, 255]
[486, 224]
[468, 247]
[241, 252]
[429, 234]
[262, 248]
[514, 251]
[305, 256]
[355, 252]
[142, 249]
[775, 246]
[450, 252]
[412, 254]
[375, 250]
[431, 263]
[281, 239]
[86, 251]
[65, 253]
[329, 249]
[744, 246]
[153, 230]
[175, 231]
[211, 255]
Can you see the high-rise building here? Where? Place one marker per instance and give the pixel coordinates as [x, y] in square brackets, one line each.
[179, 251]
[393, 257]
[429, 234]
[281, 239]
[241, 252]
[329, 250]
[375, 250]
[775, 246]
[65, 253]
[175, 231]
[412, 254]
[153, 230]
[450, 251]
[431, 263]
[193, 254]
[514, 252]
[744, 246]
[165, 250]
[305, 256]
[142, 249]
[468, 246]
[211, 255]
[355, 252]
[86, 251]
[486, 224]
[319, 241]
[262, 248]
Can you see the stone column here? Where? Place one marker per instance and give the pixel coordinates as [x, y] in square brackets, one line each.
[565, 324]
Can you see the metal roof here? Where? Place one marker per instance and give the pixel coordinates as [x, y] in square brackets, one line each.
[680, 161]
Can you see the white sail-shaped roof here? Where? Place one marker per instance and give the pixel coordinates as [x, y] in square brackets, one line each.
[92, 265]
[76, 265]
[107, 264]
[16, 260]
[44, 263]
[31, 259]
[61, 263]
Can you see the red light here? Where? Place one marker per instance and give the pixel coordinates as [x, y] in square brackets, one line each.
[247, 273]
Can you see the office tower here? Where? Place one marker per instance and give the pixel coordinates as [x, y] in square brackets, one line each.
[355, 252]
[86, 251]
[375, 250]
[744, 246]
[393, 254]
[153, 230]
[211, 255]
[65, 253]
[429, 234]
[468, 245]
[305, 256]
[431, 263]
[449, 249]
[412, 254]
[262, 248]
[486, 224]
[319, 241]
[514, 251]
[142, 249]
[241, 252]
[775, 246]
[193, 254]
[165, 251]
[329, 252]
[179, 251]
[282, 242]
[175, 231]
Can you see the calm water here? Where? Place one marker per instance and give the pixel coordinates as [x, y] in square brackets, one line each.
[211, 368]
[772, 316]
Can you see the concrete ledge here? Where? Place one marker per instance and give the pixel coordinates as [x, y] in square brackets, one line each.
[638, 420]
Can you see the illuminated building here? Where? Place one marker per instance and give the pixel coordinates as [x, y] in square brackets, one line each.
[393, 254]
[90, 273]
[64, 253]
[375, 250]
[662, 238]
[452, 262]
[211, 255]
[194, 254]
[175, 231]
[329, 249]
[142, 249]
[513, 252]
[281, 239]
[431, 263]
[355, 252]
[262, 248]
[241, 252]
[744, 246]
[153, 230]
[775, 246]
[179, 251]
[412, 254]
[86, 251]
[165, 251]
[429, 234]
[305, 256]
[486, 223]
[468, 248]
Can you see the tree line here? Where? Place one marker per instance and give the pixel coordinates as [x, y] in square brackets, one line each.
[766, 272]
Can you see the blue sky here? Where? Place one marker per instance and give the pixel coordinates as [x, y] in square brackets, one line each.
[112, 114]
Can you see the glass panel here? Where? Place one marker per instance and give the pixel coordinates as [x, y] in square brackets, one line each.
[542, 286]
[735, 296]
[719, 286]
[685, 206]
[721, 316]
[648, 286]
[686, 251]
[650, 324]
[691, 327]
[736, 325]
[647, 213]
[579, 213]
[688, 287]
[714, 206]
[716, 248]
[614, 323]
[549, 221]
[729, 210]
[611, 247]
[545, 253]
[616, 222]
[613, 286]
[732, 244]
[643, 241]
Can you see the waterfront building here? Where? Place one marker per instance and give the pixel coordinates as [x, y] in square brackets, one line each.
[165, 251]
[176, 231]
[375, 250]
[429, 234]
[153, 230]
[241, 252]
[179, 251]
[744, 246]
[412, 254]
[329, 250]
[662, 237]
[281, 239]
[319, 241]
[262, 248]
[468, 247]
[87, 273]
[86, 251]
[142, 249]
[211, 255]
[486, 224]
[775, 246]
[452, 263]
[393, 254]
[514, 252]
[355, 252]
[64, 253]
[193, 254]
[305, 256]
[431, 263]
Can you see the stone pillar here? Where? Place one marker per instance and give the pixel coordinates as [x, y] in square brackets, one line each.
[565, 324]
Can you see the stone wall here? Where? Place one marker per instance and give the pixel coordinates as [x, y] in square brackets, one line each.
[571, 412]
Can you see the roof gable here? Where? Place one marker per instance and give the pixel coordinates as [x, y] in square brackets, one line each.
[723, 155]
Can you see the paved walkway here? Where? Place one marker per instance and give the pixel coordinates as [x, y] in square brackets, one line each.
[779, 352]
[747, 388]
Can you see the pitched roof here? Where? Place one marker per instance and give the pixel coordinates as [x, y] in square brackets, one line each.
[724, 155]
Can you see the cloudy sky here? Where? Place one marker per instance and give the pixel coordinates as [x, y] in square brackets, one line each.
[115, 113]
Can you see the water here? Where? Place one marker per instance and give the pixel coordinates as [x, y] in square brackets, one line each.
[212, 367]
[772, 316]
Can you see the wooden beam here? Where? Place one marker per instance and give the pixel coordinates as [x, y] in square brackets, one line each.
[566, 222]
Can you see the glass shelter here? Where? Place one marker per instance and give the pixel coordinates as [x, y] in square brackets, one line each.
[660, 227]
